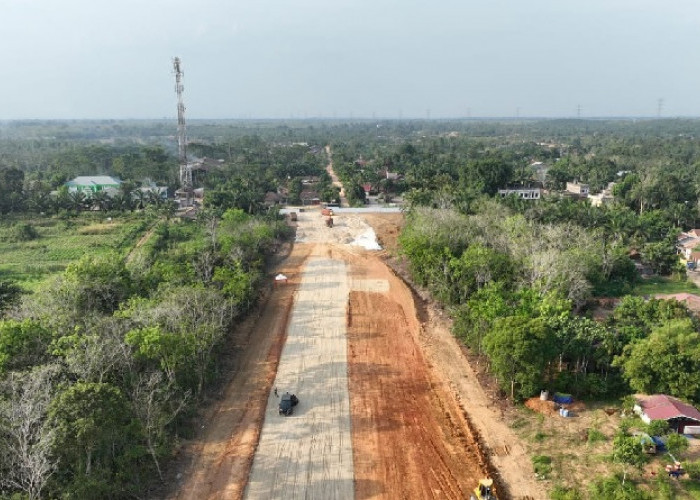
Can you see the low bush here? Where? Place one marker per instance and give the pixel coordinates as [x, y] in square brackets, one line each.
[542, 465]
[595, 436]
[23, 232]
[562, 493]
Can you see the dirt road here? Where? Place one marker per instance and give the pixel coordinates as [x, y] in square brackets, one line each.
[405, 378]
[343, 202]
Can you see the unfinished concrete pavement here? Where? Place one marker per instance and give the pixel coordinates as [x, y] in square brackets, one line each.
[309, 454]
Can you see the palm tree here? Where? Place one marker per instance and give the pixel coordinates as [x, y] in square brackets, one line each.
[101, 201]
[77, 200]
[139, 196]
[154, 197]
[39, 201]
[62, 200]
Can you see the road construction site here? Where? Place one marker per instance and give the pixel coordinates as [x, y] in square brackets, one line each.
[388, 406]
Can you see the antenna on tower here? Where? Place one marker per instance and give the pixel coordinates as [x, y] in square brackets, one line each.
[185, 167]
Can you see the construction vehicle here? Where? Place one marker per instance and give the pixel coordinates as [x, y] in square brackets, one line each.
[287, 404]
[483, 491]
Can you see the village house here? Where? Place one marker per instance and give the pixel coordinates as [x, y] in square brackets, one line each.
[681, 417]
[605, 197]
[309, 197]
[528, 193]
[577, 189]
[687, 243]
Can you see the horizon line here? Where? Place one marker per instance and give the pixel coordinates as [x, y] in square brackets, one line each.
[367, 118]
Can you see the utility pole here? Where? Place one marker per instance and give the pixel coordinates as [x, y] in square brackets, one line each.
[185, 167]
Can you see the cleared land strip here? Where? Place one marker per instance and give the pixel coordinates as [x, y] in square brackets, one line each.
[309, 454]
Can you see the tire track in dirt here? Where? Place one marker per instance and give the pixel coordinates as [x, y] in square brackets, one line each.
[409, 441]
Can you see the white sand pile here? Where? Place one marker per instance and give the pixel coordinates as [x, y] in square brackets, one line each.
[348, 229]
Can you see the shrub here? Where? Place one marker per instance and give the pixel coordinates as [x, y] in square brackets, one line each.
[613, 487]
[539, 436]
[562, 493]
[692, 469]
[595, 436]
[23, 232]
[542, 465]
[658, 428]
[676, 444]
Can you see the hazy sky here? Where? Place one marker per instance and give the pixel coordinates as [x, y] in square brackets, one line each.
[349, 58]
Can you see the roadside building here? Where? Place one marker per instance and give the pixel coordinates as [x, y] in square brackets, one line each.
[681, 417]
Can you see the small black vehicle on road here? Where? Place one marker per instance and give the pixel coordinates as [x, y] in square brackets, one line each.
[287, 404]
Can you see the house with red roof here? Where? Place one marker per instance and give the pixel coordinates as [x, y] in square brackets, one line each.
[681, 417]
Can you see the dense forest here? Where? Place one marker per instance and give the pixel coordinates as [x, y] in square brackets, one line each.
[102, 365]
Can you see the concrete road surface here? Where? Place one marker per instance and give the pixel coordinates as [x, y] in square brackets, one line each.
[309, 455]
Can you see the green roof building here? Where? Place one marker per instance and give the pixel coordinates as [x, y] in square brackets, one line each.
[93, 183]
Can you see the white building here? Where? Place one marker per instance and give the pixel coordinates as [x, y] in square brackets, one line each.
[524, 193]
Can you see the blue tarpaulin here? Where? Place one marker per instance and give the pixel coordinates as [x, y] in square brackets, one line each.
[563, 398]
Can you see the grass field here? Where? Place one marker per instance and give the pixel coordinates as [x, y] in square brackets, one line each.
[59, 242]
[659, 284]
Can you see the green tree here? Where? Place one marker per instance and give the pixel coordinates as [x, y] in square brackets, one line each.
[185, 326]
[658, 428]
[475, 268]
[519, 349]
[667, 362]
[96, 284]
[92, 425]
[12, 181]
[628, 451]
[486, 175]
[676, 444]
[23, 344]
[661, 256]
[153, 343]
[474, 319]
